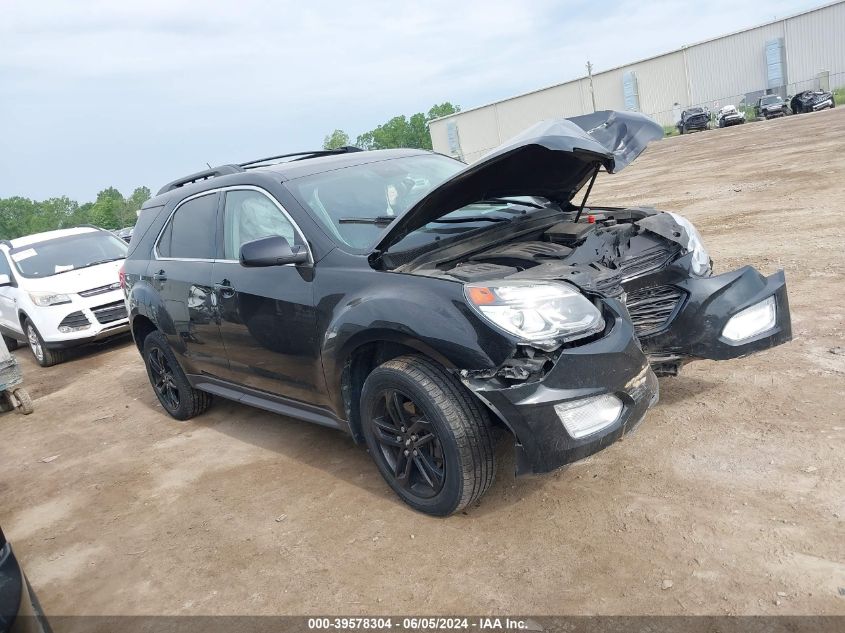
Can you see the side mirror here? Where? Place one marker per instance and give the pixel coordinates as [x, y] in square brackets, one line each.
[272, 251]
[4, 280]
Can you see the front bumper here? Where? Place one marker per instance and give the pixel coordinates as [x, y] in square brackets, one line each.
[695, 330]
[103, 316]
[613, 364]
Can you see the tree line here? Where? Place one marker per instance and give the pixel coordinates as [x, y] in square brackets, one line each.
[111, 210]
[400, 131]
[22, 216]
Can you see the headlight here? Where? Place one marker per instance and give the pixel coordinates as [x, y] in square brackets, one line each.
[542, 313]
[44, 299]
[700, 257]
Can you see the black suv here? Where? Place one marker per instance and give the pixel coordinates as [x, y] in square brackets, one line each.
[694, 120]
[425, 306]
[770, 107]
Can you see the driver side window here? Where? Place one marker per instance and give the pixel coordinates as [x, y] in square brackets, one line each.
[250, 215]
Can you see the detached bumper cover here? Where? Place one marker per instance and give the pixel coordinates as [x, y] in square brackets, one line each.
[614, 364]
[696, 329]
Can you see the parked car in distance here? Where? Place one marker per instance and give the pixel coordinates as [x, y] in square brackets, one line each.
[61, 289]
[728, 115]
[812, 101]
[770, 107]
[125, 233]
[486, 299]
[20, 611]
[694, 120]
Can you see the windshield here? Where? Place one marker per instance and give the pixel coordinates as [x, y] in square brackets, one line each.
[376, 192]
[71, 252]
[355, 204]
[769, 100]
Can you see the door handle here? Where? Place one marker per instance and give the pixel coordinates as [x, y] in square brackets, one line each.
[160, 276]
[226, 291]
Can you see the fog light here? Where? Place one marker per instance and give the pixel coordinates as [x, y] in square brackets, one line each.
[752, 321]
[64, 329]
[585, 417]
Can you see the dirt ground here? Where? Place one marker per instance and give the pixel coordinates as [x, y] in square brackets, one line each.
[728, 499]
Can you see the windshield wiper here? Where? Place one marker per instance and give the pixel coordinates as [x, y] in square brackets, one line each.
[379, 219]
[96, 263]
[513, 201]
[470, 218]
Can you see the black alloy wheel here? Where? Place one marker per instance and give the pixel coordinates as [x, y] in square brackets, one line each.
[409, 444]
[430, 438]
[163, 382]
[170, 384]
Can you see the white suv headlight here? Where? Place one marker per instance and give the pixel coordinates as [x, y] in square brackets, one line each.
[700, 256]
[545, 314]
[45, 299]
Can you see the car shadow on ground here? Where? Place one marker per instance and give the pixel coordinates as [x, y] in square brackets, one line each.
[42, 381]
[335, 454]
[677, 389]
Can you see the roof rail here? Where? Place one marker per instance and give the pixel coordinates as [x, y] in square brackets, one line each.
[222, 170]
[253, 164]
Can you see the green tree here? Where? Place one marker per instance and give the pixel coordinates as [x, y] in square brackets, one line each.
[336, 139]
[108, 211]
[402, 131]
[443, 109]
[133, 203]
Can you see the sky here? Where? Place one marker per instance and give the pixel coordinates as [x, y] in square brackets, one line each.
[99, 93]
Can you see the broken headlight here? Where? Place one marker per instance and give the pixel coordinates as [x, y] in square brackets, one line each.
[544, 314]
[700, 257]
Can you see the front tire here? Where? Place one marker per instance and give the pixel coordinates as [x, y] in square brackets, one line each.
[430, 439]
[11, 343]
[169, 382]
[43, 355]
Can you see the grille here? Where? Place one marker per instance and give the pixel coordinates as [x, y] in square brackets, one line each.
[651, 308]
[75, 319]
[110, 312]
[99, 291]
[646, 262]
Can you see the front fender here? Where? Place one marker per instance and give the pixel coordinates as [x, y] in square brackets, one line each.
[425, 314]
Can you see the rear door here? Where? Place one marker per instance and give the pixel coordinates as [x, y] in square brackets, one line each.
[267, 316]
[181, 273]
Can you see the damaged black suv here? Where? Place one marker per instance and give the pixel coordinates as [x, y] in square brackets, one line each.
[425, 306]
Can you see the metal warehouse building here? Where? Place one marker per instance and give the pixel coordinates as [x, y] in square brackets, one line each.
[797, 53]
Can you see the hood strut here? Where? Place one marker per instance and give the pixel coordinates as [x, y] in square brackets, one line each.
[587, 194]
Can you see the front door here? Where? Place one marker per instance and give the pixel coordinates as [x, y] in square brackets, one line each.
[267, 316]
[8, 304]
[181, 273]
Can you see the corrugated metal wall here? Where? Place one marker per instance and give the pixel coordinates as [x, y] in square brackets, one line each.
[723, 71]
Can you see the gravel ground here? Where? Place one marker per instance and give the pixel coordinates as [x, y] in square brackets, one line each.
[728, 499]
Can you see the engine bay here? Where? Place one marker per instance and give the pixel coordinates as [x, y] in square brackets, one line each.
[599, 253]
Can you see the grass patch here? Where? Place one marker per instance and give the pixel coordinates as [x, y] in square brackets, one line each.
[670, 130]
[839, 96]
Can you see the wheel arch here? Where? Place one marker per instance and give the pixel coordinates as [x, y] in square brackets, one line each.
[361, 358]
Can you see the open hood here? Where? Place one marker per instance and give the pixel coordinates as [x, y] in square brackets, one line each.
[552, 159]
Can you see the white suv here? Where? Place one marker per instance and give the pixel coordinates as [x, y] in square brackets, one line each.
[61, 289]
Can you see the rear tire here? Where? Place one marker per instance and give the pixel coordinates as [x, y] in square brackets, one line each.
[430, 439]
[169, 382]
[43, 355]
[11, 343]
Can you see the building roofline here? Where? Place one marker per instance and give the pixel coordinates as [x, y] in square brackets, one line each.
[640, 61]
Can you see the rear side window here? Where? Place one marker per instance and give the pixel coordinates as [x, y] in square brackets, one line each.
[191, 232]
[250, 215]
